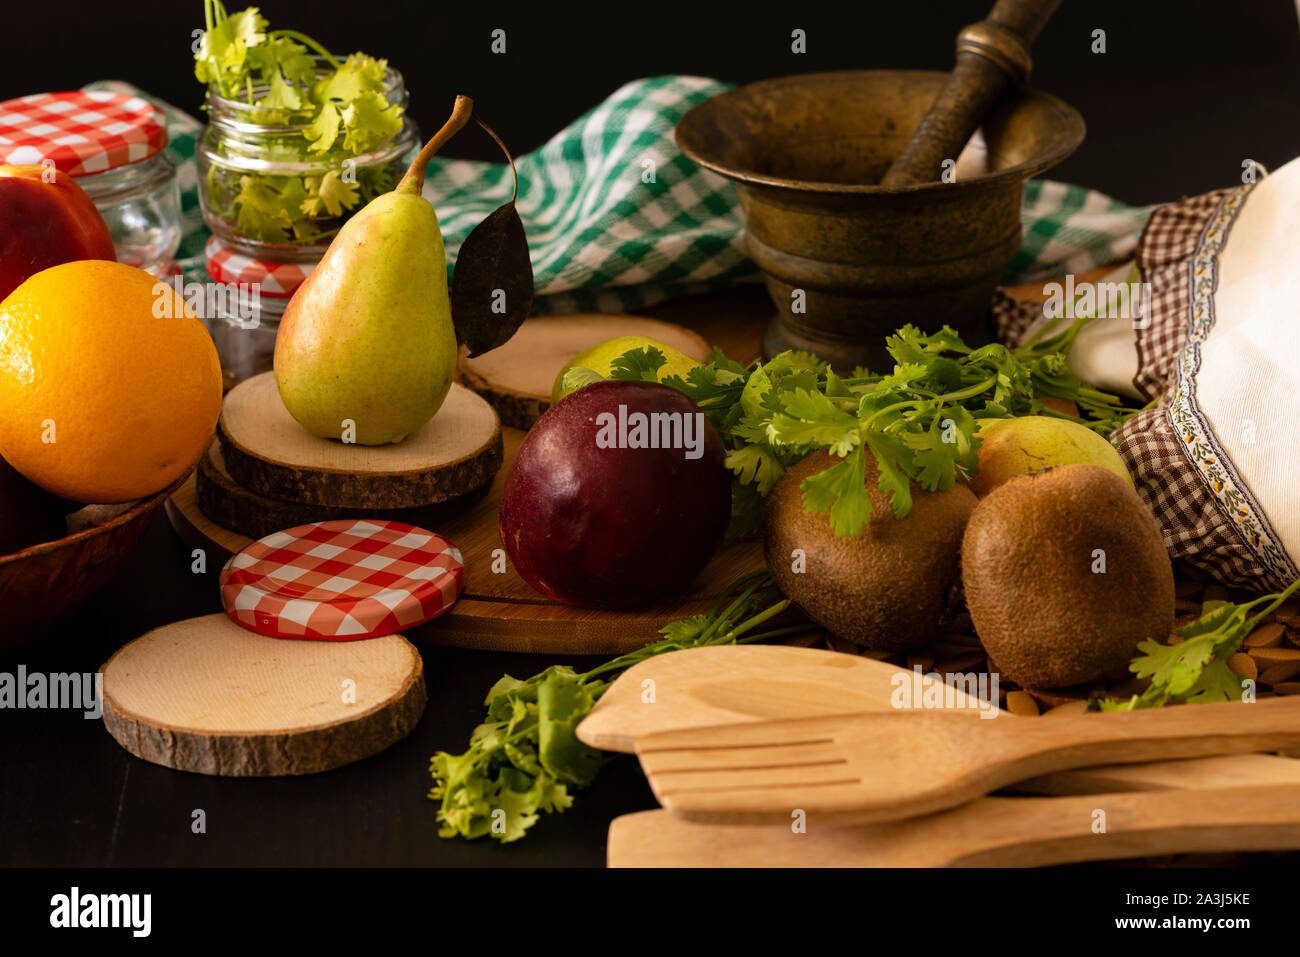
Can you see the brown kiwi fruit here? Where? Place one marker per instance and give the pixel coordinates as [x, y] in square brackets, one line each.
[884, 589]
[1032, 568]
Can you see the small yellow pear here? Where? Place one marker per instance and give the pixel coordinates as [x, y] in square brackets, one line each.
[366, 350]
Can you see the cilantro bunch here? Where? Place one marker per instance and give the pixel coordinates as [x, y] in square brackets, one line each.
[1195, 671]
[526, 758]
[342, 107]
[916, 423]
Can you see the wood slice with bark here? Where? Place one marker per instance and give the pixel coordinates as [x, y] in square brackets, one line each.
[208, 696]
[230, 505]
[517, 377]
[269, 453]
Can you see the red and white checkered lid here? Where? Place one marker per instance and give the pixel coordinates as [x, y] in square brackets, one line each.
[81, 131]
[342, 580]
[277, 280]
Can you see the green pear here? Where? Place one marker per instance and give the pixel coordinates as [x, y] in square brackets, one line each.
[366, 350]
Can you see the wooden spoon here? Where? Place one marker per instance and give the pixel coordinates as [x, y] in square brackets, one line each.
[734, 684]
[864, 768]
[989, 832]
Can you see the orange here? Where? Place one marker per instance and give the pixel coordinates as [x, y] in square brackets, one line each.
[110, 386]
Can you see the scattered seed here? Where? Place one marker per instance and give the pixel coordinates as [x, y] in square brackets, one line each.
[1070, 707]
[1243, 664]
[1051, 699]
[1266, 636]
[1022, 704]
[807, 639]
[1184, 607]
[1279, 672]
[1287, 687]
[875, 655]
[1267, 657]
[1288, 613]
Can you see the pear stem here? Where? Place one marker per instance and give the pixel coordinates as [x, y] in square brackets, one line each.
[413, 181]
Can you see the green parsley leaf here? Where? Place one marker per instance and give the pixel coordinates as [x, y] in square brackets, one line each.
[1195, 670]
[523, 760]
[638, 365]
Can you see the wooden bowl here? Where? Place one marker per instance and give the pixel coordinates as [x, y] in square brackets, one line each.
[45, 583]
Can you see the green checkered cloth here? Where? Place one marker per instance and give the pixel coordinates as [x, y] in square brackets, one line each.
[618, 218]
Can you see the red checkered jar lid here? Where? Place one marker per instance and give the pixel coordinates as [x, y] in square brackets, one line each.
[342, 580]
[276, 280]
[81, 131]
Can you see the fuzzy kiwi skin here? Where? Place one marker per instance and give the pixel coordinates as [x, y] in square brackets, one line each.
[1027, 568]
[884, 589]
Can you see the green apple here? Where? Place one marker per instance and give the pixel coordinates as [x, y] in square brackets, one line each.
[600, 358]
[1033, 443]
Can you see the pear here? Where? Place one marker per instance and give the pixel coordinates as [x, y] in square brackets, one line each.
[366, 349]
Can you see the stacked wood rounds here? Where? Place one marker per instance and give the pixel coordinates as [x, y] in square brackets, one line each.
[265, 472]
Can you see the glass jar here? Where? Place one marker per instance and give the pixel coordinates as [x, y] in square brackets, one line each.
[244, 304]
[112, 143]
[141, 203]
[269, 147]
[246, 346]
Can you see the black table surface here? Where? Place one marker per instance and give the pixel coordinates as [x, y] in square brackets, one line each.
[72, 797]
[1187, 92]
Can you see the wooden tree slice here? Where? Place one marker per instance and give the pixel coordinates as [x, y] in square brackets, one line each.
[208, 696]
[517, 377]
[269, 453]
[234, 507]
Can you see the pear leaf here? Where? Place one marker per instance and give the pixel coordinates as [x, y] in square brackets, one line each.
[492, 284]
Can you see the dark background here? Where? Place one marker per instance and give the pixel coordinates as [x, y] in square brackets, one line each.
[1186, 91]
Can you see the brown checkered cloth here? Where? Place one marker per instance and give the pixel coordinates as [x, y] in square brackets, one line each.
[1199, 526]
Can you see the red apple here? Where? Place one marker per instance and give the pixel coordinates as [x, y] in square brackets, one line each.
[618, 496]
[45, 219]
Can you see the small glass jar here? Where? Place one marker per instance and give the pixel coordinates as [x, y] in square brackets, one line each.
[244, 303]
[141, 203]
[242, 140]
[113, 145]
[246, 345]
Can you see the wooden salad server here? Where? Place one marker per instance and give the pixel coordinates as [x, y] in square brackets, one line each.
[737, 684]
[989, 832]
[992, 57]
[864, 768]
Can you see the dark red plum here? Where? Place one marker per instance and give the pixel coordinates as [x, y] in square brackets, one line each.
[618, 496]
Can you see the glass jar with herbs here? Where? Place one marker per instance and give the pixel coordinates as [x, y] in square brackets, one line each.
[297, 139]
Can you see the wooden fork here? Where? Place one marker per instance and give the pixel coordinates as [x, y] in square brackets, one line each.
[855, 769]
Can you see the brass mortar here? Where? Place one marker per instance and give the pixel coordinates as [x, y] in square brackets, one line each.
[806, 152]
